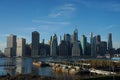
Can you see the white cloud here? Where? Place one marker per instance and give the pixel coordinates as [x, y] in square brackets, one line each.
[63, 10]
[107, 5]
[50, 22]
[111, 27]
[30, 29]
[4, 35]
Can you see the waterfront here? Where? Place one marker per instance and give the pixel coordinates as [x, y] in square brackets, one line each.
[15, 66]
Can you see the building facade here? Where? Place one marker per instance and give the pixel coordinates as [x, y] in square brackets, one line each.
[74, 36]
[21, 44]
[63, 48]
[10, 50]
[54, 46]
[103, 48]
[76, 51]
[98, 44]
[83, 41]
[110, 41]
[35, 44]
[67, 37]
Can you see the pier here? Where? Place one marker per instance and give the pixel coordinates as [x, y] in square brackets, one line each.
[101, 72]
[69, 67]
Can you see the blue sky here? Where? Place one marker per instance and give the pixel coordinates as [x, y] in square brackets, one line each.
[21, 17]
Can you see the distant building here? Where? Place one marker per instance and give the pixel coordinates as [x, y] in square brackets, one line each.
[10, 51]
[53, 46]
[63, 48]
[35, 44]
[88, 49]
[67, 37]
[118, 51]
[21, 42]
[83, 41]
[28, 50]
[110, 41]
[74, 36]
[44, 49]
[76, 51]
[98, 43]
[94, 46]
[92, 43]
[103, 48]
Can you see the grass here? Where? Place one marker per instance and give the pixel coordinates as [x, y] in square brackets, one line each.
[26, 77]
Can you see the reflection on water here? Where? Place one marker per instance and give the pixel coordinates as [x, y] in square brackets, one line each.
[15, 66]
[23, 65]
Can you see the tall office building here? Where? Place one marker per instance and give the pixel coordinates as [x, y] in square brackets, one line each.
[10, 51]
[92, 43]
[83, 41]
[21, 43]
[63, 48]
[76, 51]
[67, 37]
[98, 43]
[53, 45]
[110, 41]
[98, 39]
[94, 46]
[103, 48]
[35, 44]
[74, 36]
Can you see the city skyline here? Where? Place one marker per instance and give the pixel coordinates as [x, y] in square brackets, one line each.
[22, 17]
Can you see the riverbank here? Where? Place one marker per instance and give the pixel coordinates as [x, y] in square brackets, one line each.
[26, 77]
[104, 78]
[36, 77]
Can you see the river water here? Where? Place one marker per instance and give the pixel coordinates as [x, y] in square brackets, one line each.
[24, 66]
[15, 66]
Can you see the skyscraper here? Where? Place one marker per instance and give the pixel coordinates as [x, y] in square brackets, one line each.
[67, 37]
[76, 51]
[35, 44]
[98, 43]
[103, 48]
[63, 48]
[110, 41]
[10, 51]
[83, 41]
[98, 39]
[92, 44]
[21, 47]
[53, 45]
[75, 36]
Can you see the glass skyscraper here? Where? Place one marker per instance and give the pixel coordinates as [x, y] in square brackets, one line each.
[110, 41]
[53, 45]
[75, 36]
[35, 44]
[83, 41]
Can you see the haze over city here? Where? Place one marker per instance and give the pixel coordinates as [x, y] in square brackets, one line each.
[22, 17]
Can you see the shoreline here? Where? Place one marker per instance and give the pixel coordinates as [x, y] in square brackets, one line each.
[37, 77]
